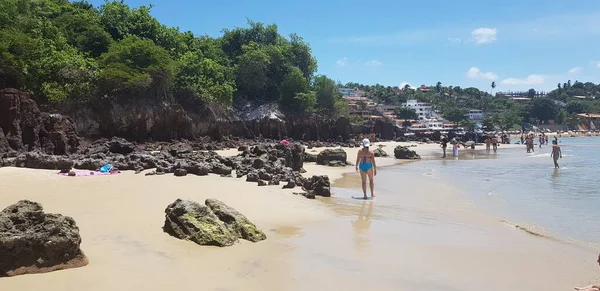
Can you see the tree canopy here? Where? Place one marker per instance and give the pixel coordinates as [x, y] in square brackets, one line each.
[64, 51]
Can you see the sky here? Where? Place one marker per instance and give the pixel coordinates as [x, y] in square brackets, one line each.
[519, 44]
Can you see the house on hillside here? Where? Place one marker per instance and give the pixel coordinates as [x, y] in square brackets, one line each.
[475, 114]
[424, 110]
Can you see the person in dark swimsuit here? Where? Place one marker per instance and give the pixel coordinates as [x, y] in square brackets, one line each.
[444, 145]
[365, 161]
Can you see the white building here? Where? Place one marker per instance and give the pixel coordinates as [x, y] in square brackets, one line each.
[475, 114]
[423, 110]
[347, 91]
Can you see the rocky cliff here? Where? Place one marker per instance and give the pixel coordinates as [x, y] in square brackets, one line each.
[26, 128]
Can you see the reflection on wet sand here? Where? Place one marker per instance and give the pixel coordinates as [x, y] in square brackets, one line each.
[362, 224]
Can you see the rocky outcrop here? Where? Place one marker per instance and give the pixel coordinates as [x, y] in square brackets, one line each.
[401, 152]
[332, 157]
[379, 152]
[214, 223]
[317, 185]
[25, 128]
[32, 241]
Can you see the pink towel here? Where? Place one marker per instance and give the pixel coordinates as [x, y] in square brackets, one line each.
[89, 173]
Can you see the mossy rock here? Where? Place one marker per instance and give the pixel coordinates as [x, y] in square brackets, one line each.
[190, 220]
[212, 224]
[235, 221]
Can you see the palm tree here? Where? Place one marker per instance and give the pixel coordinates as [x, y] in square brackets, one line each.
[493, 86]
[438, 87]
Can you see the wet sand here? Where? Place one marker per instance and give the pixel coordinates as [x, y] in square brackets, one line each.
[417, 235]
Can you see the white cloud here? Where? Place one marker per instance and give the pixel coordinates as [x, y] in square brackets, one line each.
[476, 73]
[484, 35]
[342, 62]
[373, 63]
[404, 84]
[575, 70]
[530, 80]
[573, 26]
[455, 40]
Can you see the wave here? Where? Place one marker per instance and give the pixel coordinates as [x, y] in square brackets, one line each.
[541, 233]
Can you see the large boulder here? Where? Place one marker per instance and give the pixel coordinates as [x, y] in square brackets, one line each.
[337, 156]
[212, 224]
[401, 152]
[32, 241]
[318, 185]
[190, 220]
[235, 221]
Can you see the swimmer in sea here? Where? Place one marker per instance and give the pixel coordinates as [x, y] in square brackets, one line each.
[365, 161]
[590, 287]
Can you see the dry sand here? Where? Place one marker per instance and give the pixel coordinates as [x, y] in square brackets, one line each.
[436, 241]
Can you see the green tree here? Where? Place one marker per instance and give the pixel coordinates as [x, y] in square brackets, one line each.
[455, 115]
[531, 93]
[329, 100]
[406, 113]
[137, 66]
[507, 119]
[543, 109]
[493, 85]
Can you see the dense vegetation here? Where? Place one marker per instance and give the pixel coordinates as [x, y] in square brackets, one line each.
[72, 52]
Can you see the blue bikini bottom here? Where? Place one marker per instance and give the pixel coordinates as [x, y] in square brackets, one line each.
[365, 167]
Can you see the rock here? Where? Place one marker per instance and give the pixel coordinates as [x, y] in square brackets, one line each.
[328, 155]
[235, 221]
[297, 157]
[310, 158]
[318, 185]
[37, 160]
[262, 183]
[189, 220]
[401, 152]
[32, 241]
[214, 223]
[379, 152]
[180, 172]
[289, 185]
[72, 174]
[119, 145]
[4, 147]
[25, 128]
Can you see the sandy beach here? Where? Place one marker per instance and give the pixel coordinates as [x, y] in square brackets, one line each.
[436, 240]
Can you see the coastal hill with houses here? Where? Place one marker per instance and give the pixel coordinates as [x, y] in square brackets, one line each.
[439, 108]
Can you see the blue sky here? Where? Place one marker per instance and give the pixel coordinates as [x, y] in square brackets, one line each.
[518, 44]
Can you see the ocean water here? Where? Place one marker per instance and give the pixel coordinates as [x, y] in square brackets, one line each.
[525, 189]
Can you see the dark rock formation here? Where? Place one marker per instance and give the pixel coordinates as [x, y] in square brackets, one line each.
[25, 128]
[401, 152]
[32, 241]
[318, 185]
[332, 157]
[379, 152]
[212, 224]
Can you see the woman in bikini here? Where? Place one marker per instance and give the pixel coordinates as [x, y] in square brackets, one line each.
[365, 160]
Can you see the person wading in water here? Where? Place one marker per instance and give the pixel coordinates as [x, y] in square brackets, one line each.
[556, 153]
[365, 161]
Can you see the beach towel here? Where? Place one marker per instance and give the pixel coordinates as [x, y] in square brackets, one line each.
[83, 173]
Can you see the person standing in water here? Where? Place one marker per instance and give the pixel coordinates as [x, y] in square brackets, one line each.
[365, 161]
[556, 153]
[444, 145]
